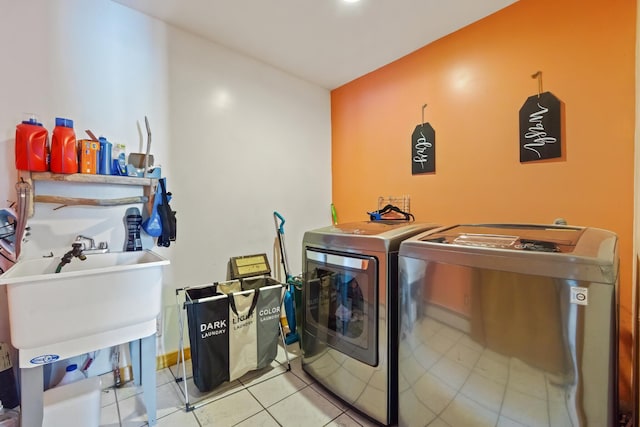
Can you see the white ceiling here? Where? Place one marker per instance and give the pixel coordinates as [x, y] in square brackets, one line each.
[326, 42]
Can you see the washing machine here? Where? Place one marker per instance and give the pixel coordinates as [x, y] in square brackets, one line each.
[350, 312]
[509, 324]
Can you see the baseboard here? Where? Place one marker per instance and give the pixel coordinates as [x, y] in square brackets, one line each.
[170, 359]
[449, 317]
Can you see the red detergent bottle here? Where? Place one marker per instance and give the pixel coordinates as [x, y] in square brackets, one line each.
[32, 146]
[64, 151]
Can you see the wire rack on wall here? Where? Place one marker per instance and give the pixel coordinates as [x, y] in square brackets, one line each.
[7, 231]
[401, 202]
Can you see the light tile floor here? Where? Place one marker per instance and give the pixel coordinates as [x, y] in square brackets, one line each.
[269, 397]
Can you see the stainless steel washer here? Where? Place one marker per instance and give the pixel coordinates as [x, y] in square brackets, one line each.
[509, 324]
[350, 312]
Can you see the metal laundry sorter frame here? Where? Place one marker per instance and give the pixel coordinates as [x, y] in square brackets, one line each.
[182, 306]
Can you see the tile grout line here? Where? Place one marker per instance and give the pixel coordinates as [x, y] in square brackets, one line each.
[181, 397]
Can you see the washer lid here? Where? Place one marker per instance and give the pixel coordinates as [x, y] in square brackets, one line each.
[539, 238]
[380, 236]
[580, 253]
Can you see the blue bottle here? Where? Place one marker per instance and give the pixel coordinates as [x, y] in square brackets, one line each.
[104, 158]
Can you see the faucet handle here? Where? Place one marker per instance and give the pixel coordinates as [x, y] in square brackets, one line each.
[81, 238]
[102, 247]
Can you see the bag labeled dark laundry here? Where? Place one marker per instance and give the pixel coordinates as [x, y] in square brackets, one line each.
[208, 321]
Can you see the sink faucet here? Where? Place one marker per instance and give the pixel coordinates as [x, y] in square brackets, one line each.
[92, 249]
[76, 251]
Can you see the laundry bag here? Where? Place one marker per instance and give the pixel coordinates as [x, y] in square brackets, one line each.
[228, 286]
[243, 356]
[257, 282]
[208, 321]
[268, 308]
[8, 390]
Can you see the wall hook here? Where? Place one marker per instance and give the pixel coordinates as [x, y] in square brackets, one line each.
[422, 122]
[538, 75]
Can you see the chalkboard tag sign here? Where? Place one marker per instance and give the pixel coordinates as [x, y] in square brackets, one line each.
[423, 149]
[540, 128]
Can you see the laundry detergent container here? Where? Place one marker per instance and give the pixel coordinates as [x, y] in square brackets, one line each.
[509, 324]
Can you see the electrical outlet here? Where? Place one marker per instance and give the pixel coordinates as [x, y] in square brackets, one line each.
[159, 325]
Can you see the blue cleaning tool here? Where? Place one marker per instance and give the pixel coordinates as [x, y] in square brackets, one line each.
[289, 297]
[290, 310]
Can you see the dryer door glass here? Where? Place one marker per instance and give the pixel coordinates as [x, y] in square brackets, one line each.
[340, 302]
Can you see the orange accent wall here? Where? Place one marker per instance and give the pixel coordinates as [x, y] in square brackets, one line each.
[474, 82]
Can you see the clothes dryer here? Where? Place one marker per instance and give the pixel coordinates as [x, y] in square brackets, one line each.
[350, 312]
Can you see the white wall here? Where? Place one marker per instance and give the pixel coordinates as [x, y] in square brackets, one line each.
[236, 139]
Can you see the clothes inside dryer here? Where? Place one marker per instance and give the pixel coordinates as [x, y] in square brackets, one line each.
[340, 299]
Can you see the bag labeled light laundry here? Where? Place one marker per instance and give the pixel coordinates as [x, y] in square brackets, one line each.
[228, 287]
[242, 332]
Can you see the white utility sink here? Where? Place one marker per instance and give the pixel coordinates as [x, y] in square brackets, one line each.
[104, 300]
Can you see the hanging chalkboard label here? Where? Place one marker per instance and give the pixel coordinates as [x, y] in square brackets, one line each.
[540, 128]
[423, 149]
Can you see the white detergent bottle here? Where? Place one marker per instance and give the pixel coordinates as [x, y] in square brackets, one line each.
[9, 417]
[71, 375]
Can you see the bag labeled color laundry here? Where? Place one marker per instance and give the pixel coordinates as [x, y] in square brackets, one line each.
[268, 324]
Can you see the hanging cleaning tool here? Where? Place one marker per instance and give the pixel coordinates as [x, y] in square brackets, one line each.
[167, 216]
[289, 296]
[153, 224]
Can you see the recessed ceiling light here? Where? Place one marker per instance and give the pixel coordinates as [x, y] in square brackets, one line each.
[351, 1]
